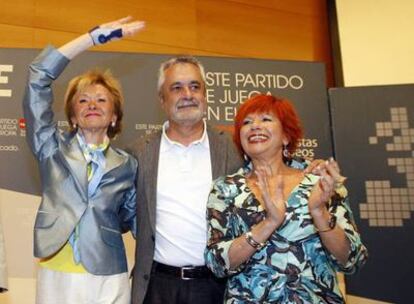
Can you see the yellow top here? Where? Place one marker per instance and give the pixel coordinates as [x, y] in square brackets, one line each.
[63, 261]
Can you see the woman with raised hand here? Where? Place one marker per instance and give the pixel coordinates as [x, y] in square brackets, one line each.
[279, 233]
[88, 186]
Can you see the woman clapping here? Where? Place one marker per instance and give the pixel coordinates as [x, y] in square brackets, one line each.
[277, 232]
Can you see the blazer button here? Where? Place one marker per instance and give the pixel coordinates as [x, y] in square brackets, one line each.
[153, 238]
[146, 277]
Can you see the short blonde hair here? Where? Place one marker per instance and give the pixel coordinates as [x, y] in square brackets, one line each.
[94, 77]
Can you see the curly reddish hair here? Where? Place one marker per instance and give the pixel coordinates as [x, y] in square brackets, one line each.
[282, 108]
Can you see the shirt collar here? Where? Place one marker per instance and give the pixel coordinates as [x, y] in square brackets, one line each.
[168, 143]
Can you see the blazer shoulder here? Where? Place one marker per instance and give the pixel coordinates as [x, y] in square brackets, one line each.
[213, 130]
[215, 133]
[143, 144]
[220, 139]
[128, 157]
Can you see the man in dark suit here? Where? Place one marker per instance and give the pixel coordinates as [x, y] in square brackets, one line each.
[176, 168]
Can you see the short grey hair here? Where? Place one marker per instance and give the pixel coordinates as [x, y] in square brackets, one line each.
[178, 60]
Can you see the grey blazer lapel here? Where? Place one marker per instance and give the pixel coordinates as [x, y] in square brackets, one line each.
[150, 166]
[77, 164]
[113, 159]
[216, 151]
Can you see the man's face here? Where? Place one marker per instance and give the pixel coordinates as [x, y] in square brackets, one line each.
[183, 94]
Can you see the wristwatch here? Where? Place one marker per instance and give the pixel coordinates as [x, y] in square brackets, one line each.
[331, 224]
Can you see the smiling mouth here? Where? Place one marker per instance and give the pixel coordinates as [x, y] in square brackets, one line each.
[257, 138]
[92, 115]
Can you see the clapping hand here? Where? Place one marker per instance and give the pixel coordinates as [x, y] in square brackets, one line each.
[321, 192]
[272, 195]
[330, 166]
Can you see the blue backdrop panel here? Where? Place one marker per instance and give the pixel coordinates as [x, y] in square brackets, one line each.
[373, 130]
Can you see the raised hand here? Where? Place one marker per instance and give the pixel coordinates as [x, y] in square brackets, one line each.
[101, 34]
[115, 30]
[272, 195]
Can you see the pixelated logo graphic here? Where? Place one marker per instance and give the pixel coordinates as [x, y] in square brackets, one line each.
[11, 127]
[387, 206]
[22, 124]
[5, 68]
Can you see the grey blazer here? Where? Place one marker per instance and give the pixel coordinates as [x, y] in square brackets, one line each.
[225, 160]
[103, 217]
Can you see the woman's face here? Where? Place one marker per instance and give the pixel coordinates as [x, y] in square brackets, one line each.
[262, 136]
[93, 108]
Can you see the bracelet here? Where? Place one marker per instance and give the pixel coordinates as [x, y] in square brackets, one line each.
[331, 224]
[252, 242]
